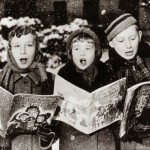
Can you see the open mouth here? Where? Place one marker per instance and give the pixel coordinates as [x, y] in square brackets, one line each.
[83, 61]
[23, 60]
[130, 53]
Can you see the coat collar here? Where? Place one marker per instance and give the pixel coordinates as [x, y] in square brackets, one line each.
[35, 77]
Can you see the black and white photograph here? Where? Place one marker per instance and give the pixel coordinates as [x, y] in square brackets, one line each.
[74, 74]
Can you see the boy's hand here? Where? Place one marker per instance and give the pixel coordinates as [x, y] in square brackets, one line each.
[46, 136]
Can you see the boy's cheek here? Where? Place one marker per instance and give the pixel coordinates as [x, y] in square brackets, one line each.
[75, 55]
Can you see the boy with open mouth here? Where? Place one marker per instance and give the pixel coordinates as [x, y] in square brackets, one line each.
[85, 70]
[127, 59]
[126, 47]
[24, 73]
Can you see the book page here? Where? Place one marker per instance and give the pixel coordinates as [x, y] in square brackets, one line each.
[76, 105]
[128, 100]
[104, 110]
[5, 107]
[30, 112]
[86, 111]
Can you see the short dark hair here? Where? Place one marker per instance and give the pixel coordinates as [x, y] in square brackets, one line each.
[83, 37]
[24, 30]
[21, 30]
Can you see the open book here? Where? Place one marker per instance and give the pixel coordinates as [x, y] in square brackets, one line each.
[25, 113]
[131, 94]
[88, 112]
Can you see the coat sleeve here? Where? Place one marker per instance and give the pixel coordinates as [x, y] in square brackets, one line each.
[48, 85]
[56, 127]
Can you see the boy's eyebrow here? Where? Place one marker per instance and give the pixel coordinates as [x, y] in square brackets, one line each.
[30, 41]
[89, 44]
[15, 43]
[119, 37]
[25, 42]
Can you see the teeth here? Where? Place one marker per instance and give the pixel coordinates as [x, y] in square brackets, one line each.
[23, 60]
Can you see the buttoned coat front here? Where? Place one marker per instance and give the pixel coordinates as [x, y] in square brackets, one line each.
[72, 139]
[30, 84]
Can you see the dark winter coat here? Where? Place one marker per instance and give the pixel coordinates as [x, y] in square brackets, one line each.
[104, 76]
[72, 139]
[119, 66]
[30, 84]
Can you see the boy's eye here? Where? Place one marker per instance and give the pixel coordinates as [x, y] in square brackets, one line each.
[29, 45]
[133, 37]
[16, 46]
[120, 40]
[89, 48]
[76, 48]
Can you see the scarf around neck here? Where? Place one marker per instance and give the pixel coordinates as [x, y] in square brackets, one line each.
[135, 70]
[88, 74]
[12, 66]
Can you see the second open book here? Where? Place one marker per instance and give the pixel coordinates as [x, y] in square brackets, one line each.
[89, 112]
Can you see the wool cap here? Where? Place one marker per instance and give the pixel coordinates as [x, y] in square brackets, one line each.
[84, 31]
[119, 24]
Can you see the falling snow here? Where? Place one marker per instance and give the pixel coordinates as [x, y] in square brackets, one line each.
[58, 20]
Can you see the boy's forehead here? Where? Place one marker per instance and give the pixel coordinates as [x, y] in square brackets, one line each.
[129, 31]
[83, 43]
[27, 37]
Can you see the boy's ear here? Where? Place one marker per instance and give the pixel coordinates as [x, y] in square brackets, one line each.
[111, 44]
[69, 54]
[140, 35]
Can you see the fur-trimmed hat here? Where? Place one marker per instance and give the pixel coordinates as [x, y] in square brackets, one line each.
[88, 32]
[118, 22]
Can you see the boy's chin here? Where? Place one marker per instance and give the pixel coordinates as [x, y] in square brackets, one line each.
[23, 66]
[82, 67]
[129, 57]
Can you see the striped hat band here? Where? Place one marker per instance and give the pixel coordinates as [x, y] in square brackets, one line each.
[119, 24]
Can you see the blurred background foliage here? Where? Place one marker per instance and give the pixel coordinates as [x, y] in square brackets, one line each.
[52, 40]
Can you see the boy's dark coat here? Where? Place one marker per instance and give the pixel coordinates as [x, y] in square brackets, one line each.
[69, 73]
[30, 84]
[72, 139]
[144, 53]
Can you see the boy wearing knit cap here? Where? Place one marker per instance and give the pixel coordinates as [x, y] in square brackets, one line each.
[85, 71]
[124, 39]
[24, 73]
[125, 60]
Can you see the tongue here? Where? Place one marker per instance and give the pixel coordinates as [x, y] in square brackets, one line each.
[83, 62]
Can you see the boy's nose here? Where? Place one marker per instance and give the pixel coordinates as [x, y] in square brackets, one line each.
[82, 52]
[22, 50]
[128, 44]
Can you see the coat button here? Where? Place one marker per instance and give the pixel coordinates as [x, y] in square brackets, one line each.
[93, 137]
[72, 137]
[25, 81]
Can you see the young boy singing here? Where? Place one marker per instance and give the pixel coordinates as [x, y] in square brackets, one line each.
[24, 73]
[85, 71]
